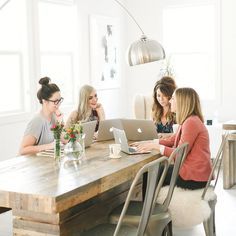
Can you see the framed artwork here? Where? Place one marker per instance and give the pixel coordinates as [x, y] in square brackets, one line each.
[105, 52]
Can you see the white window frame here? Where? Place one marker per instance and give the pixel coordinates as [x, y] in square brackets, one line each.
[214, 104]
[21, 115]
[73, 57]
[33, 73]
[22, 96]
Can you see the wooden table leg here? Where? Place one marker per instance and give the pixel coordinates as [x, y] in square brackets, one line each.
[73, 220]
[229, 162]
[35, 224]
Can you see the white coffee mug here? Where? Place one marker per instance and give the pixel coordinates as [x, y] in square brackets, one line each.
[114, 150]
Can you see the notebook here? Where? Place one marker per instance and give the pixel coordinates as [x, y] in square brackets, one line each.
[120, 137]
[105, 129]
[88, 130]
[139, 130]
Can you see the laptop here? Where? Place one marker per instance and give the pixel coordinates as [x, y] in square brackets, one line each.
[105, 129]
[89, 129]
[139, 130]
[120, 138]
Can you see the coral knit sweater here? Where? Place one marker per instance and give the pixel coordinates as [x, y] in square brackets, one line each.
[197, 165]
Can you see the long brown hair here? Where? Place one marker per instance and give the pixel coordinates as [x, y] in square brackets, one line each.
[167, 86]
[187, 104]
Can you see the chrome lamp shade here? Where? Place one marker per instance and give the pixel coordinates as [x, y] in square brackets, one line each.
[144, 51]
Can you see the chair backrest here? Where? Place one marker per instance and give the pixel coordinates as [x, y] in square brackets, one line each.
[178, 155]
[143, 106]
[216, 166]
[152, 168]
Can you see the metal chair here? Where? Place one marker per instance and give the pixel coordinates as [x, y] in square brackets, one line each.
[203, 201]
[209, 224]
[160, 220]
[138, 230]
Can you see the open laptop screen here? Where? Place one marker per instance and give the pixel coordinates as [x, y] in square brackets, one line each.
[139, 130]
[105, 129]
[88, 130]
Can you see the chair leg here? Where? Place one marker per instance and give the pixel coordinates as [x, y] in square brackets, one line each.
[209, 225]
[168, 230]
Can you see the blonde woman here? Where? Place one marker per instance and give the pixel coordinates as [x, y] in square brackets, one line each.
[88, 109]
[196, 167]
[161, 112]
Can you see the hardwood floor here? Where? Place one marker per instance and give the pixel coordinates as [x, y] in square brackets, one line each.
[225, 216]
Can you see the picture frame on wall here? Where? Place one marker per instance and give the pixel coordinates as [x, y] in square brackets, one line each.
[105, 51]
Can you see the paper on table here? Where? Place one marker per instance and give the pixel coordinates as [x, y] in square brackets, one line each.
[49, 153]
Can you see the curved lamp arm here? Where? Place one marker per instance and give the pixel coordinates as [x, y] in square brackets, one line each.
[128, 12]
[144, 50]
[4, 4]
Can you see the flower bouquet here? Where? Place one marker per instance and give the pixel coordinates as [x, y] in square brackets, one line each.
[57, 129]
[75, 147]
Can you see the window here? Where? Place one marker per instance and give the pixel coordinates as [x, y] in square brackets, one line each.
[190, 40]
[35, 45]
[58, 42]
[13, 58]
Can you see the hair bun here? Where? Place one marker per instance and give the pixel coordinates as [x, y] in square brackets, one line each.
[44, 81]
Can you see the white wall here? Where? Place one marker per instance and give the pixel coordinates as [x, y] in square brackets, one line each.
[142, 78]
[112, 99]
[10, 136]
[228, 111]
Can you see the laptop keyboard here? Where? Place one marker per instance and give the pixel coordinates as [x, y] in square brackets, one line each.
[132, 149]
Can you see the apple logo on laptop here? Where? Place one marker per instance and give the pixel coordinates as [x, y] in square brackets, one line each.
[139, 130]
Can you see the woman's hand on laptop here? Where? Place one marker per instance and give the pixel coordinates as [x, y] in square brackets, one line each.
[135, 144]
[147, 146]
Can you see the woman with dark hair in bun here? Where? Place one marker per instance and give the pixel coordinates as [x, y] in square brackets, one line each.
[38, 135]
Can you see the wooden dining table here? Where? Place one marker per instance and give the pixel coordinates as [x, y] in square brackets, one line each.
[64, 198]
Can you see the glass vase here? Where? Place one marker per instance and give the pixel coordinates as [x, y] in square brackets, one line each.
[57, 149]
[73, 150]
[81, 142]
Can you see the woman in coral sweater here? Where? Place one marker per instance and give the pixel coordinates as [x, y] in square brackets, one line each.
[196, 167]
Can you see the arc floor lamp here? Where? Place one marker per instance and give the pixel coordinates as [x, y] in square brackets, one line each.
[141, 51]
[3, 3]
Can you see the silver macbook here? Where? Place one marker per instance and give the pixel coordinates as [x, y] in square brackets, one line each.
[106, 127]
[139, 130]
[120, 138]
[89, 129]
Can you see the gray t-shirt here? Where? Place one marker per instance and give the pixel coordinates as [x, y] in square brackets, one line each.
[40, 128]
